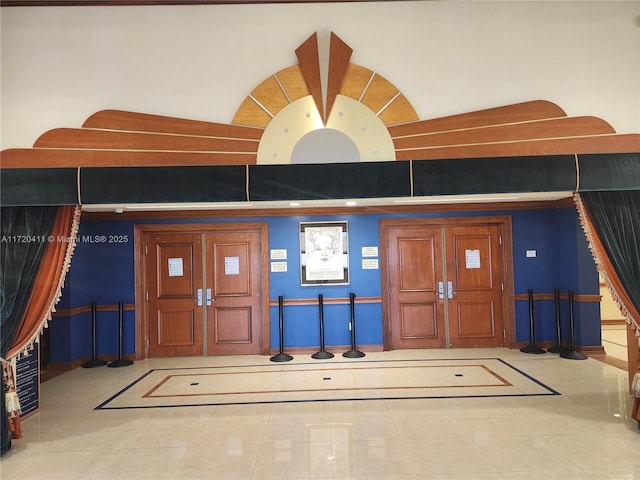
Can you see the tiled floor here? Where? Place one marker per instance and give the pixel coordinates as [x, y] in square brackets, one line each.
[614, 340]
[583, 433]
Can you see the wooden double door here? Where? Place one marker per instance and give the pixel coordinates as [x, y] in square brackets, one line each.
[445, 285]
[204, 292]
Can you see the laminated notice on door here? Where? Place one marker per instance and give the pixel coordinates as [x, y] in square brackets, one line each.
[175, 267]
[472, 258]
[232, 265]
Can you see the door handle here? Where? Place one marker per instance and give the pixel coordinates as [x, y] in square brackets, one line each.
[441, 290]
[450, 291]
[209, 300]
[199, 297]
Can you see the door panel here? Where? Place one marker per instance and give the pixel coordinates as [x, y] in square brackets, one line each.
[174, 269]
[468, 261]
[234, 318]
[414, 270]
[475, 311]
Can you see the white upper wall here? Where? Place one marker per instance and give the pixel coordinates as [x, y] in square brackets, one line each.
[61, 64]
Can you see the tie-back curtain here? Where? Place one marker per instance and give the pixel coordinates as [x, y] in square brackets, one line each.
[611, 221]
[36, 249]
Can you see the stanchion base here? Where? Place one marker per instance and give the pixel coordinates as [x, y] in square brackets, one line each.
[353, 354]
[122, 362]
[94, 363]
[558, 349]
[281, 357]
[533, 349]
[322, 355]
[574, 355]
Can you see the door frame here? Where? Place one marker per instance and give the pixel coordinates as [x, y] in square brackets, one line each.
[508, 296]
[140, 233]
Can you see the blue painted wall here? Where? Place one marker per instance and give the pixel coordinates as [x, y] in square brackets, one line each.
[103, 270]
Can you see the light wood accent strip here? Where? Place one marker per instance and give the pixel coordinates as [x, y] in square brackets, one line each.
[250, 113]
[563, 296]
[399, 111]
[292, 81]
[61, 158]
[379, 92]
[118, 140]
[629, 143]
[554, 128]
[339, 56]
[270, 95]
[519, 112]
[143, 122]
[69, 312]
[309, 60]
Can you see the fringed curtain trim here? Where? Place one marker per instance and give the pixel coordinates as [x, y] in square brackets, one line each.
[611, 279]
[49, 282]
[614, 285]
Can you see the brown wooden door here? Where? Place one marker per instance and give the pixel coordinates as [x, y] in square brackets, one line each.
[234, 319]
[415, 268]
[466, 263]
[174, 269]
[474, 268]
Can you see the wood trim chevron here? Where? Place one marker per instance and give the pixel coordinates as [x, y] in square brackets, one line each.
[339, 56]
[309, 60]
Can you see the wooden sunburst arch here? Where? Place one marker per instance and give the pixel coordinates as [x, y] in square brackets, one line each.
[112, 138]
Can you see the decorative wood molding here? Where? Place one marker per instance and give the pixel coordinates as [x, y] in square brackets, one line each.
[70, 312]
[113, 138]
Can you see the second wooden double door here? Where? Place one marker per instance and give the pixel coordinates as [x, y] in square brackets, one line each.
[204, 293]
[445, 286]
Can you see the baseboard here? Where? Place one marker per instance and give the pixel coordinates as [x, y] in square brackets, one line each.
[57, 368]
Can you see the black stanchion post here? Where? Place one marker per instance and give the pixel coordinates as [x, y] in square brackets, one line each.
[572, 354]
[557, 348]
[120, 362]
[322, 354]
[532, 347]
[353, 353]
[281, 357]
[95, 361]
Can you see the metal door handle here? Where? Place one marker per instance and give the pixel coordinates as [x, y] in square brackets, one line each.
[450, 291]
[441, 290]
[209, 300]
[199, 297]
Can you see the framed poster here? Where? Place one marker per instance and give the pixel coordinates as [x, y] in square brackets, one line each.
[324, 253]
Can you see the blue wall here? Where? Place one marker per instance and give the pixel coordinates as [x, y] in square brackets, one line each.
[103, 270]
